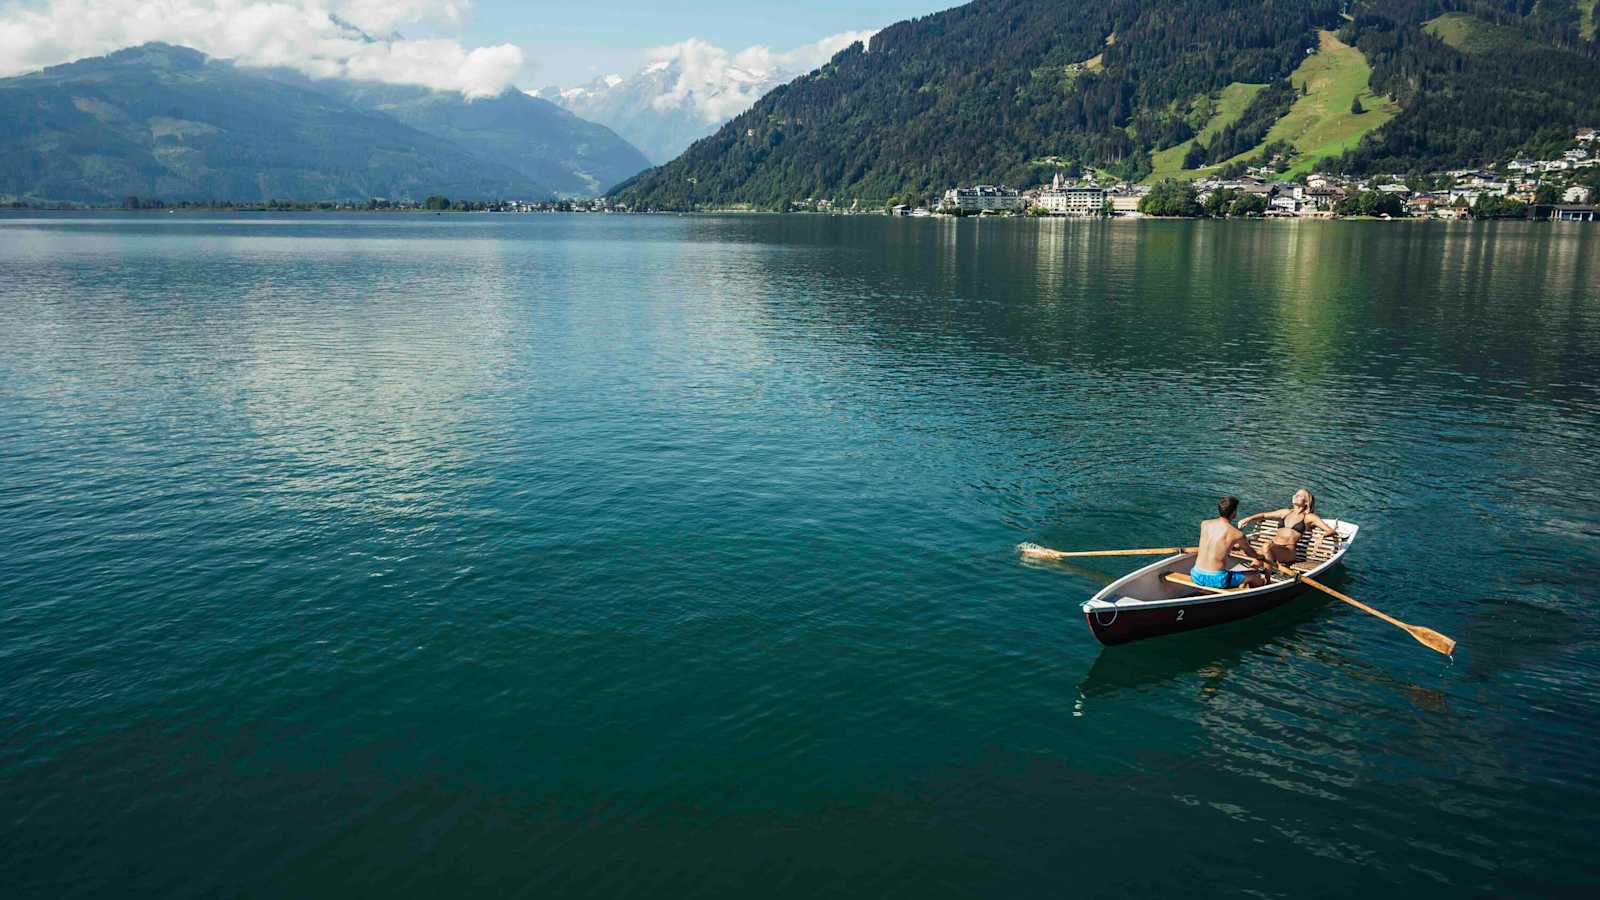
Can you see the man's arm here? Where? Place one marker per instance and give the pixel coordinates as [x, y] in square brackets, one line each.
[1242, 547]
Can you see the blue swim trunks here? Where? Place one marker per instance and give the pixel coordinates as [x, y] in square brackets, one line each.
[1210, 579]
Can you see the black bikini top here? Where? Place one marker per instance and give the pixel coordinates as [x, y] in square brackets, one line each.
[1299, 527]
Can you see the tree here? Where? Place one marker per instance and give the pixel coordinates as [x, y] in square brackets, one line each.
[1217, 202]
[1248, 205]
[1387, 204]
[1170, 197]
[1547, 193]
[1355, 106]
[436, 202]
[1494, 206]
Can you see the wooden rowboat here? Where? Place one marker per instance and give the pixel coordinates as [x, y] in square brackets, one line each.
[1161, 599]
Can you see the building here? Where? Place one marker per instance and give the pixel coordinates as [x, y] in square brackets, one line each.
[1284, 203]
[1325, 197]
[1576, 194]
[1083, 200]
[1127, 202]
[1588, 134]
[983, 197]
[1573, 213]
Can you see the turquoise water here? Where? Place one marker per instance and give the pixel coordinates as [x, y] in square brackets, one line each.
[568, 556]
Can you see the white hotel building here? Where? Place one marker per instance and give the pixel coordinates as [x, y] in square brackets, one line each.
[982, 197]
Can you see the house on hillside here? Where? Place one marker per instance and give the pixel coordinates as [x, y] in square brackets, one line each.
[1577, 194]
[1588, 134]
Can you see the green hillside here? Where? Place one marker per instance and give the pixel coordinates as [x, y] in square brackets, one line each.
[1230, 103]
[1470, 34]
[979, 92]
[1322, 124]
[1003, 91]
[1488, 81]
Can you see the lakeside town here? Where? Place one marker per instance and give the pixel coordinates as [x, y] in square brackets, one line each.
[1559, 189]
[1565, 188]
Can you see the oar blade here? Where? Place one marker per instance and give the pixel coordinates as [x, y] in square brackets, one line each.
[1034, 551]
[1433, 640]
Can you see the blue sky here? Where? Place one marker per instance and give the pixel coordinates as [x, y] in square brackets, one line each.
[572, 42]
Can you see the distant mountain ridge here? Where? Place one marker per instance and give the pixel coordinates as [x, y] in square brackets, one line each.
[169, 122]
[1013, 91]
[689, 89]
[573, 156]
[656, 112]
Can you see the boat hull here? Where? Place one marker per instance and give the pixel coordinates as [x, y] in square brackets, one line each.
[1122, 626]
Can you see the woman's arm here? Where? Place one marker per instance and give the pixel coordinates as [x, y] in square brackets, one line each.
[1274, 514]
[1321, 523]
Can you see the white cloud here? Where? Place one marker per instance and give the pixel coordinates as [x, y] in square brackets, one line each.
[301, 34]
[719, 85]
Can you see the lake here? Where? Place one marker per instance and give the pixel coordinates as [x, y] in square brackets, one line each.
[604, 556]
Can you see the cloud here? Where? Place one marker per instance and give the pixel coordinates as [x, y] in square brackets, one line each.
[335, 38]
[719, 84]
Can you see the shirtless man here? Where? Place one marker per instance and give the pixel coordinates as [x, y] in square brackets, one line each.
[1218, 539]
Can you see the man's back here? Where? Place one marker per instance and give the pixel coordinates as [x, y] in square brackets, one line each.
[1217, 539]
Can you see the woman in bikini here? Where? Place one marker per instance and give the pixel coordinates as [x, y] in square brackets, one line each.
[1293, 522]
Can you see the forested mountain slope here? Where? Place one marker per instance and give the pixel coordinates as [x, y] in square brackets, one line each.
[531, 135]
[167, 122]
[159, 121]
[1007, 90]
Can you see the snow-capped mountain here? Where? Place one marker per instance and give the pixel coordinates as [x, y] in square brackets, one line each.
[688, 89]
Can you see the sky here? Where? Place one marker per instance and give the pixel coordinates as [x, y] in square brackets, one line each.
[478, 47]
[569, 43]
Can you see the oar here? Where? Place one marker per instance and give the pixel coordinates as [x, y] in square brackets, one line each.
[1038, 552]
[1427, 637]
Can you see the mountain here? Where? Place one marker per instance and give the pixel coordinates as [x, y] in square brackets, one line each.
[663, 108]
[530, 135]
[169, 122]
[1010, 91]
[689, 89]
